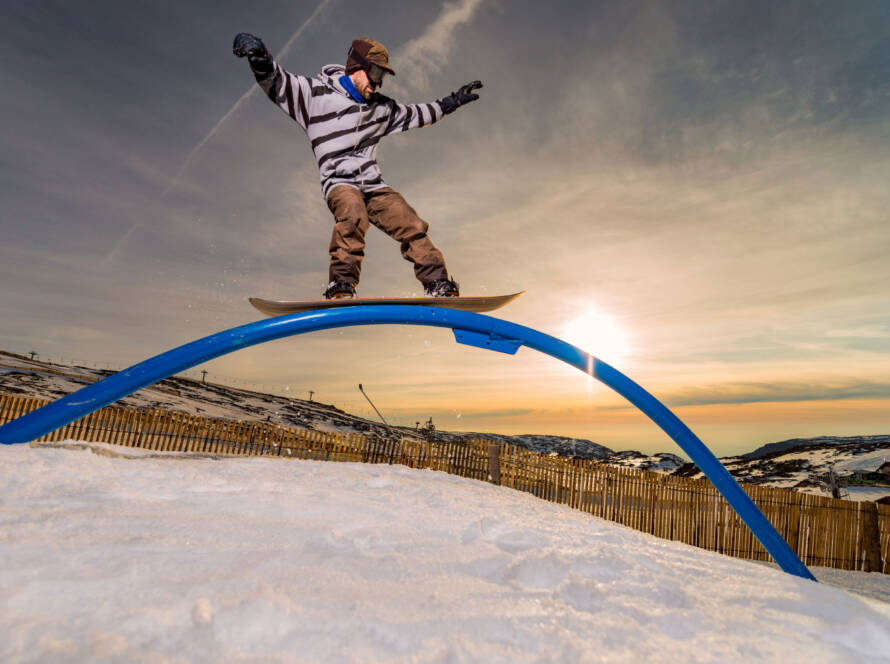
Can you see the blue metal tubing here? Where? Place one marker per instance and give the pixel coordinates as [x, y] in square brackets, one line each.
[500, 335]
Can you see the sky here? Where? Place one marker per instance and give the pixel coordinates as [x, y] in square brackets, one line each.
[694, 192]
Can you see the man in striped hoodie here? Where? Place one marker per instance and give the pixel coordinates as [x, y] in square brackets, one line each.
[345, 117]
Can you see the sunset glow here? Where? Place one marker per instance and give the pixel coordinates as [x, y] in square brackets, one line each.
[599, 334]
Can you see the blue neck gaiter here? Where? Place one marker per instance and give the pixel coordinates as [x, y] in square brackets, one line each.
[347, 83]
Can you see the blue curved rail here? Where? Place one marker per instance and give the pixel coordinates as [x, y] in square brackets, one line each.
[469, 328]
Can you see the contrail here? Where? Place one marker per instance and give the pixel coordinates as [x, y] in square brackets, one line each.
[428, 53]
[250, 91]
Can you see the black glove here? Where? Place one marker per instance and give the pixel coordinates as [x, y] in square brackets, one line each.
[463, 96]
[257, 54]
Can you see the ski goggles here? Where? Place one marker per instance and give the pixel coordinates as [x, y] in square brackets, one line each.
[375, 72]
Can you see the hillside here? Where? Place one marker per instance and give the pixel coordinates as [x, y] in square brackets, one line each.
[24, 377]
[804, 464]
[801, 464]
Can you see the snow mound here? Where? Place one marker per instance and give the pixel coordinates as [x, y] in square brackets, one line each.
[146, 556]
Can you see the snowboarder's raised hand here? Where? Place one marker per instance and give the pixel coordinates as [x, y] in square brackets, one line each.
[258, 55]
[464, 95]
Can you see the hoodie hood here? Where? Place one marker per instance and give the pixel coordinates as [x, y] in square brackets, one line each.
[329, 76]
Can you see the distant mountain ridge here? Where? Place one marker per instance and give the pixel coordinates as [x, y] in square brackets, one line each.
[809, 464]
[797, 463]
[784, 445]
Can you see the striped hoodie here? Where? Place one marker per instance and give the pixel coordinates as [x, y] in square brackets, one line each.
[343, 133]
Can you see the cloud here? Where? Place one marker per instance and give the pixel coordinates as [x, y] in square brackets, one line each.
[427, 54]
[863, 332]
[780, 391]
[511, 412]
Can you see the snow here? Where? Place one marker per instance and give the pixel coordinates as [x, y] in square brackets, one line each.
[863, 493]
[123, 555]
[867, 463]
[801, 468]
[663, 462]
[791, 464]
[31, 378]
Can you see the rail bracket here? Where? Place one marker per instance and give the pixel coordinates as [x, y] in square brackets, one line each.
[490, 341]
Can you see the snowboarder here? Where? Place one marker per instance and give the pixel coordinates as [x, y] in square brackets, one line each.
[345, 117]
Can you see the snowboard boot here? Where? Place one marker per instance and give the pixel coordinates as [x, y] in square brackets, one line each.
[441, 288]
[339, 289]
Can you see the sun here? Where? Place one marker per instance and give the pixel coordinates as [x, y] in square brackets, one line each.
[599, 334]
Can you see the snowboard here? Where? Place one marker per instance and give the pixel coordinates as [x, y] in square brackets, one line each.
[474, 304]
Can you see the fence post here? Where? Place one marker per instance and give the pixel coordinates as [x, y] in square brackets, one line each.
[870, 538]
[494, 463]
[792, 535]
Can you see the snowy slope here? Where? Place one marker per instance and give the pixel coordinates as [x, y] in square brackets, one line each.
[796, 463]
[150, 558]
[24, 377]
[663, 462]
[821, 441]
[801, 465]
[28, 378]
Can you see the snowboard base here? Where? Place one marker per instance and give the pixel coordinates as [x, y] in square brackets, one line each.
[475, 304]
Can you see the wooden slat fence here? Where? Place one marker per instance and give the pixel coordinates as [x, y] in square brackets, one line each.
[823, 531]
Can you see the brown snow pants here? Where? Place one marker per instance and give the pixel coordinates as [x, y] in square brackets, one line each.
[354, 211]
